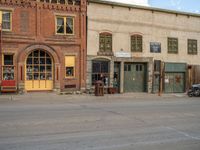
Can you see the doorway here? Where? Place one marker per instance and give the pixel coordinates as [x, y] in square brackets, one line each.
[39, 71]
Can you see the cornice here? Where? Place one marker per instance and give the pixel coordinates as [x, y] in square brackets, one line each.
[40, 5]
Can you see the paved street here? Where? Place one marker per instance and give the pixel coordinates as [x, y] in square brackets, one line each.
[46, 121]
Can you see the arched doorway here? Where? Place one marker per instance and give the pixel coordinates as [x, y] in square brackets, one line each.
[39, 71]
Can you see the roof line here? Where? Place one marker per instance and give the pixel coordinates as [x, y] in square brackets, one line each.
[144, 7]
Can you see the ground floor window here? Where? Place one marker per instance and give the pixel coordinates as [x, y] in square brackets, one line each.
[69, 66]
[100, 71]
[8, 67]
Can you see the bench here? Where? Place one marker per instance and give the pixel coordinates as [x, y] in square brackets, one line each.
[8, 86]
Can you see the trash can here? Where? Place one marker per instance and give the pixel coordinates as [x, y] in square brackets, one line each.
[99, 88]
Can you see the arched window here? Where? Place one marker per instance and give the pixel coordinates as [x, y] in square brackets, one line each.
[136, 43]
[105, 42]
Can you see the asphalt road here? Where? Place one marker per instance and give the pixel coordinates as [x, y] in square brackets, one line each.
[120, 122]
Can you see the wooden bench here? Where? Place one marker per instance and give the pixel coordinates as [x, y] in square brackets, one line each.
[8, 86]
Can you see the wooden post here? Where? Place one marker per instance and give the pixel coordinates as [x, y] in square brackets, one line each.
[161, 79]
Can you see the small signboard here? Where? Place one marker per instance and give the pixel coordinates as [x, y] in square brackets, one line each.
[123, 54]
[155, 47]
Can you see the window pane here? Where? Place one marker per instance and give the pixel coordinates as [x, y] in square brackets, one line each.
[136, 43]
[192, 47]
[69, 66]
[6, 20]
[69, 25]
[105, 42]
[60, 25]
[172, 45]
[69, 71]
[8, 59]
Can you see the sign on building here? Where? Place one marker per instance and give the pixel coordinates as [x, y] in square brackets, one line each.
[155, 47]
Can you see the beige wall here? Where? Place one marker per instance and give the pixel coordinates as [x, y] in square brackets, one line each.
[153, 25]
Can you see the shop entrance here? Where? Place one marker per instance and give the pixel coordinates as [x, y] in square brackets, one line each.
[39, 71]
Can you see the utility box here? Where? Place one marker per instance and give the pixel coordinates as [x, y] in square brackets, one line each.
[99, 88]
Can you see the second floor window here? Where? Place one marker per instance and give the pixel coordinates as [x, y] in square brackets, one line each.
[65, 25]
[136, 43]
[6, 20]
[173, 45]
[192, 47]
[105, 42]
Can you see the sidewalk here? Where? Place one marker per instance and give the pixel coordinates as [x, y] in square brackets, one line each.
[86, 97]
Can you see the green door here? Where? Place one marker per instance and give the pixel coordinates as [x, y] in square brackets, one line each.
[174, 82]
[134, 77]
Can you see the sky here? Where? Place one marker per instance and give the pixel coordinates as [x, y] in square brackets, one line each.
[192, 6]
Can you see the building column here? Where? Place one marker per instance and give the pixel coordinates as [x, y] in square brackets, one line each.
[111, 72]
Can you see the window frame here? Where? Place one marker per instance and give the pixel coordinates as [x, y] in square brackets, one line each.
[169, 47]
[105, 37]
[193, 41]
[65, 24]
[74, 67]
[1, 13]
[136, 36]
[11, 66]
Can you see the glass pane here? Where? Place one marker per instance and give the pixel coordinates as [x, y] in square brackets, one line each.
[42, 68]
[69, 71]
[36, 68]
[96, 67]
[29, 76]
[36, 60]
[8, 59]
[48, 68]
[42, 54]
[42, 76]
[60, 25]
[36, 53]
[49, 76]
[6, 16]
[29, 61]
[29, 69]
[42, 60]
[48, 61]
[6, 25]
[69, 26]
[36, 76]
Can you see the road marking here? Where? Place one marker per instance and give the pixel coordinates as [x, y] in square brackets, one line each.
[183, 133]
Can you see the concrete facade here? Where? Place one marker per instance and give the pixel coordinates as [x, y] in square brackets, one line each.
[155, 25]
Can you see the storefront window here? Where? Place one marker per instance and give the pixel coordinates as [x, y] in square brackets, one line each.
[8, 67]
[100, 71]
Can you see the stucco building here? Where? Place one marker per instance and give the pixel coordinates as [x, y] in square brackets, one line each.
[43, 44]
[142, 49]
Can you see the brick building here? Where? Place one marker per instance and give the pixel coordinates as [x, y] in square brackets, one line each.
[43, 44]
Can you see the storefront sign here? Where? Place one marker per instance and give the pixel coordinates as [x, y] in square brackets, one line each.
[123, 54]
[155, 47]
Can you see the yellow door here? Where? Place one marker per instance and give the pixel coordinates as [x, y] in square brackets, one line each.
[39, 71]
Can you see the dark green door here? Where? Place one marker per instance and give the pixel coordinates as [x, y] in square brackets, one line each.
[134, 77]
[174, 82]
